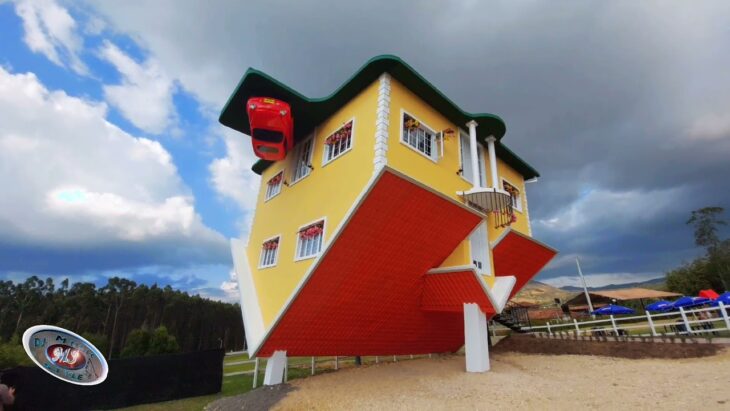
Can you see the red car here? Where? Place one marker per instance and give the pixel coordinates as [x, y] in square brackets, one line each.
[272, 127]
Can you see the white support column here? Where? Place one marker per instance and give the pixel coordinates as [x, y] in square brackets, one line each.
[256, 373]
[312, 365]
[651, 324]
[723, 312]
[473, 150]
[492, 161]
[577, 328]
[275, 367]
[381, 123]
[613, 324]
[686, 322]
[476, 343]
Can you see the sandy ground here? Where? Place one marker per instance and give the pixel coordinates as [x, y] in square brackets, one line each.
[521, 381]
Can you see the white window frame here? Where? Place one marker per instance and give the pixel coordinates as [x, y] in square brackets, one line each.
[297, 155]
[276, 253]
[519, 207]
[323, 220]
[326, 148]
[269, 193]
[434, 138]
[481, 160]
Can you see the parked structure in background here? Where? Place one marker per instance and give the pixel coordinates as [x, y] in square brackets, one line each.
[396, 225]
[577, 306]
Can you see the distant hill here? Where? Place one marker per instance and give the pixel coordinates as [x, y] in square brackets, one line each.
[539, 293]
[654, 284]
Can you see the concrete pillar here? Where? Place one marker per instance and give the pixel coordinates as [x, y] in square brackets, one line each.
[493, 161]
[275, 366]
[476, 343]
[474, 151]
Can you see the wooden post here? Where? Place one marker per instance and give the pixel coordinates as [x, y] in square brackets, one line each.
[312, 365]
[377, 359]
[723, 311]
[651, 324]
[256, 372]
[337, 363]
[687, 327]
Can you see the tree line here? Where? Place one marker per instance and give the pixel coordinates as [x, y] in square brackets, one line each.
[121, 314]
[711, 270]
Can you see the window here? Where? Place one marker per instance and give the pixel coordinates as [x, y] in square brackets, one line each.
[515, 194]
[466, 160]
[273, 186]
[419, 137]
[269, 253]
[309, 240]
[302, 160]
[339, 142]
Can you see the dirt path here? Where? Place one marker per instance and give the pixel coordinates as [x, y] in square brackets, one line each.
[521, 381]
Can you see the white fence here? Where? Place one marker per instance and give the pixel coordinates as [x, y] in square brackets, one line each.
[700, 321]
[312, 362]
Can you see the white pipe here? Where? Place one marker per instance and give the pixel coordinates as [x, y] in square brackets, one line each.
[492, 161]
[473, 151]
[585, 288]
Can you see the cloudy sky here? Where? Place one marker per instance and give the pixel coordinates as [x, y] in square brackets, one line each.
[113, 163]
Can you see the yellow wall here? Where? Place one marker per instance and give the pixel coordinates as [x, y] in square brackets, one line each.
[442, 174]
[329, 191]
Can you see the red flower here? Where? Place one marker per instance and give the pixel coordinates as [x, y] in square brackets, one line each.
[311, 231]
[275, 180]
[271, 244]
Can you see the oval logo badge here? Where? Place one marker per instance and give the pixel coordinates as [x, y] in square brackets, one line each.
[65, 355]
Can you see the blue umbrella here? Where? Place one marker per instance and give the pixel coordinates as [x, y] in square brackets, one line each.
[661, 305]
[687, 302]
[613, 310]
[724, 297]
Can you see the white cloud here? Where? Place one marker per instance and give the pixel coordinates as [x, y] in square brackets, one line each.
[230, 288]
[611, 208]
[713, 126]
[72, 180]
[144, 96]
[601, 279]
[51, 31]
[231, 176]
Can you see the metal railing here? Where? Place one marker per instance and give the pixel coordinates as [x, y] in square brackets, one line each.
[682, 322]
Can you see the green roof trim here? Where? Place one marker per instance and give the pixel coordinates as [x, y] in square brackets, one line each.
[310, 112]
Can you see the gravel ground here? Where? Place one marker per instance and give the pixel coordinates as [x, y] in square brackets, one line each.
[520, 381]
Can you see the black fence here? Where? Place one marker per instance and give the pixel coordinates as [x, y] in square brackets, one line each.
[130, 381]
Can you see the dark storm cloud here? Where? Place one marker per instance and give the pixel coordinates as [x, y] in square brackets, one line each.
[623, 107]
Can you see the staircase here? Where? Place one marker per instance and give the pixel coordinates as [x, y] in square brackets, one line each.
[507, 322]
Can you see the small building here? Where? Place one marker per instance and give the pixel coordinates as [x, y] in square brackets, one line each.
[396, 218]
[578, 305]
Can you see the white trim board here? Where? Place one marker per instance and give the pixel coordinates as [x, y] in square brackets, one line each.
[497, 295]
[253, 320]
[253, 349]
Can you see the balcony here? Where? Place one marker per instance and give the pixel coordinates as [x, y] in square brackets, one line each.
[491, 200]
